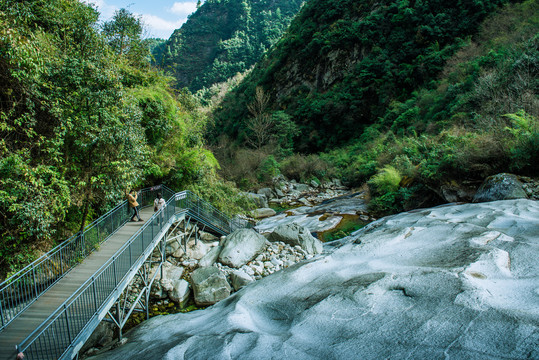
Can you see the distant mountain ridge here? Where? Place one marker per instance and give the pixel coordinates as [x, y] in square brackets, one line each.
[224, 37]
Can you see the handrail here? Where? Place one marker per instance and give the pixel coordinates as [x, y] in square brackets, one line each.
[24, 287]
[55, 337]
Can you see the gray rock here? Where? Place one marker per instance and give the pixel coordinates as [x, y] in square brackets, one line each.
[170, 272]
[337, 183]
[279, 193]
[172, 247]
[314, 184]
[158, 292]
[453, 192]
[163, 286]
[294, 194]
[211, 257]
[239, 279]
[207, 237]
[197, 249]
[259, 200]
[180, 292]
[241, 247]
[263, 213]
[102, 335]
[209, 286]
[178, 254]
[293, 234]
[267, 192]
[246, 269]
[500, 187]
[302, 187]
[305, 202]
[276, 261]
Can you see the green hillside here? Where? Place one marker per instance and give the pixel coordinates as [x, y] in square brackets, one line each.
[412, 97]
[83, 118]
[343, 62]
[224, 37]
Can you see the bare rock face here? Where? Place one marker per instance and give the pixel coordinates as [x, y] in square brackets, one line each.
[500, 187]
[453, 282]
[209, 286]
[241, 247]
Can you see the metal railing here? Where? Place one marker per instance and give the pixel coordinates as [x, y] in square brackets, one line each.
[54, 339]
[24, 287]
[209, 215]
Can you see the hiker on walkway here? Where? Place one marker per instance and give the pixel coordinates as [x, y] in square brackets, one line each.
[158, 203]
[132, 200]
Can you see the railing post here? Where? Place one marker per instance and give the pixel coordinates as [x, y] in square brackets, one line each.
[82, 246]
[95, 294]
[2, 312]
[67, 324]
[34, 277]
[61, 262]
[114, 271]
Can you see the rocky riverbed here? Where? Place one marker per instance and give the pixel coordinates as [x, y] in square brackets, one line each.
[458, 281]
[210, 269]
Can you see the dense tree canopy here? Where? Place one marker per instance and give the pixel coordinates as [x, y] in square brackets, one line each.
[82, 118]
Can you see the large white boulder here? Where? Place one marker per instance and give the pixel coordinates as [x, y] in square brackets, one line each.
[453, 282]
[241, 247]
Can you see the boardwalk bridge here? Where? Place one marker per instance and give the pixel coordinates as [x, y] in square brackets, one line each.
[49, 309]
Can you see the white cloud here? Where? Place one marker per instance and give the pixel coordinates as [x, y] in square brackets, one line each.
[159, 27]
[184, 8]
[106, 10]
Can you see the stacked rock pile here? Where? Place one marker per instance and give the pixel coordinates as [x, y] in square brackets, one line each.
[209, 270]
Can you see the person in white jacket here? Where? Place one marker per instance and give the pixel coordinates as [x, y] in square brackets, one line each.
[158, 203]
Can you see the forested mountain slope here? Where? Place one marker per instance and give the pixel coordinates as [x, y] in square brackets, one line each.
[343, 62]
[224, 37]
[421, 100]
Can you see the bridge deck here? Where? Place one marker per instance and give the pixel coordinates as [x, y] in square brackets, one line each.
[41, 309]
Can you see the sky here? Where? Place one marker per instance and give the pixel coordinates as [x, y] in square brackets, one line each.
[160, 17]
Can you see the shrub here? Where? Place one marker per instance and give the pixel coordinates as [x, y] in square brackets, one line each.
[386, 181]
[524, 147]
[302, 168]
[268, 169]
